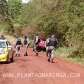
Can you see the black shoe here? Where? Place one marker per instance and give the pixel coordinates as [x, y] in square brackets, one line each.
[52, 61]
[33, 49]
[25, 54]
[48, 60]
[17, 55]
[36, 54]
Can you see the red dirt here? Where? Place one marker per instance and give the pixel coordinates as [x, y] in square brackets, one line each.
[29, 69]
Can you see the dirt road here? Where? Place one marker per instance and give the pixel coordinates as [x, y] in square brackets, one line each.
[36, 70]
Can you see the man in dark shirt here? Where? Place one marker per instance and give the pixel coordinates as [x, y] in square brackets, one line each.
[18, 46]
[51, 44]
[35, 44]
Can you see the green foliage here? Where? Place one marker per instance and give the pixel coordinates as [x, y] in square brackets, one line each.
[3, 8]
[65, 18]
[5, 20]
[14, 8]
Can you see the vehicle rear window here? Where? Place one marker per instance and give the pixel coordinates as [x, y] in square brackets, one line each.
[3, 45]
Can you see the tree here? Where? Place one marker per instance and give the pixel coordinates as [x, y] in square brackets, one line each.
[15, 7]
[4, 13]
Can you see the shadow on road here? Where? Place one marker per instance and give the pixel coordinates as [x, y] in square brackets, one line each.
[6, 62]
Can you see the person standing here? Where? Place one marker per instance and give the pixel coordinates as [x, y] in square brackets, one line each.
[51, 44]
[35, 44]
[18, 46]
[26, 45]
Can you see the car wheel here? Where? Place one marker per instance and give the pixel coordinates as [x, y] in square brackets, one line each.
[8, 60]
[12, 59]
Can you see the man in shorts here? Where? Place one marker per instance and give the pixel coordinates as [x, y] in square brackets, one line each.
[51, 44]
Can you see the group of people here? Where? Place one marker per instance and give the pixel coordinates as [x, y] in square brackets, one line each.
[39, 44]
[20, 44]
[49, 45]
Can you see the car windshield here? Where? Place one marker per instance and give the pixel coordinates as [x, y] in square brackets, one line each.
[3, 45]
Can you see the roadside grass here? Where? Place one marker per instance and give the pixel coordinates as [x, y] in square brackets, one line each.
[64, 53]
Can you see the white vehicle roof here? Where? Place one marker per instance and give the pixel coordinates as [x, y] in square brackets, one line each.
[3, 40]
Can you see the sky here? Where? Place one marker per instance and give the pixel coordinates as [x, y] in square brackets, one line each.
[25, 1]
